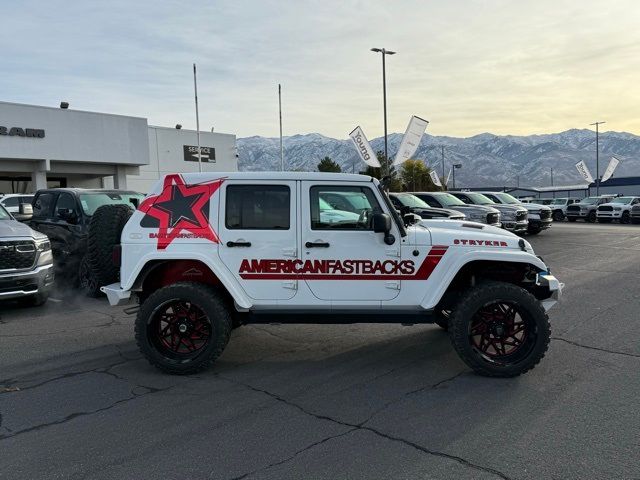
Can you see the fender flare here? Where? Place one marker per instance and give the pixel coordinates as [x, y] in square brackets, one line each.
[223, 275]
[459, 260]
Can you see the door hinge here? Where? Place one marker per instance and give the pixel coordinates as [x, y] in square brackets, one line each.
[290, 284]
[392, 284]
[392, 252]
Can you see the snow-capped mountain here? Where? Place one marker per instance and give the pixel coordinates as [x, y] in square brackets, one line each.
[487, 159]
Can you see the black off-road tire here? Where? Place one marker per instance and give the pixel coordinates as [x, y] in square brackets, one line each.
[558, 216]
[36, 300]
[105, 229]
[487, 293]
[626, 217]
[87, 280]
[209, 301]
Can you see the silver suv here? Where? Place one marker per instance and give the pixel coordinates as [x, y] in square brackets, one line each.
[476, 213]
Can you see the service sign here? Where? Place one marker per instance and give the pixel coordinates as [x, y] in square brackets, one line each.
[208, 154]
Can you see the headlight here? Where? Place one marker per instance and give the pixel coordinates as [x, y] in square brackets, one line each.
[43, 245]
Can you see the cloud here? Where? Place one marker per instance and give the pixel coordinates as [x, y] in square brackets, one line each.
[468, 66]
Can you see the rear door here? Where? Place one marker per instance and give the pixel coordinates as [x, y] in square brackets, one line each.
[342, 258]
[258, 236]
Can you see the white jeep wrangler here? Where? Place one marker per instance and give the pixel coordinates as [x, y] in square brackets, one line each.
[206, 252]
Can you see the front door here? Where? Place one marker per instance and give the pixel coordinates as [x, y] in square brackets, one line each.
[342, 258]
[258, 235]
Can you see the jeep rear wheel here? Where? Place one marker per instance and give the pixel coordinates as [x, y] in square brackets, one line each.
[500, 330]
[183, 328]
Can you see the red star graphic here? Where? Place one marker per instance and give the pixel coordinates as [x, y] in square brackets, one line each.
[180, 208]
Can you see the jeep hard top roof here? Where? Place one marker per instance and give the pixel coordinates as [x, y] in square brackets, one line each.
[309, 176]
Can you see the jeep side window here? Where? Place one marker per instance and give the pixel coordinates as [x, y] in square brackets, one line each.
[65, 203]
[258, 207]
[42, 205]
[324, 216]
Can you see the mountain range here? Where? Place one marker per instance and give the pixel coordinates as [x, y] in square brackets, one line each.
[486, 159]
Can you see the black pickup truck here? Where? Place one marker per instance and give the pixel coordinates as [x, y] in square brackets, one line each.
[64, 215]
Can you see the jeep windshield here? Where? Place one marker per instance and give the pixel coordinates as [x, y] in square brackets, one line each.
[448, 200]
[91, 201]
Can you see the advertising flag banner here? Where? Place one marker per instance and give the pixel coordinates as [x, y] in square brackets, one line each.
[613, 163]
[364, 148]
[448, 177]
[584, 171]
[435, 179]
[411, 139]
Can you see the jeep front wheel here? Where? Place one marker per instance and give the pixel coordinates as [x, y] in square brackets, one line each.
[499, 330]
[183, 328]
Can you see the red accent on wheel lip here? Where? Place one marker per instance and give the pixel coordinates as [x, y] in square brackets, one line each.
[429, 264]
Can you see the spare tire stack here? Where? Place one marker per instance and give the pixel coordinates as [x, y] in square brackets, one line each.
[105, 229]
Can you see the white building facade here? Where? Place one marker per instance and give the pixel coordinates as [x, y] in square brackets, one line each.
[44, 147]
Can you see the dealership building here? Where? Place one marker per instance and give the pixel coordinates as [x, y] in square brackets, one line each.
[44, 147]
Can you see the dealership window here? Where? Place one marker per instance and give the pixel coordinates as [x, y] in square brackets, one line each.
[342, 207]
[258, 207]
[42, 205]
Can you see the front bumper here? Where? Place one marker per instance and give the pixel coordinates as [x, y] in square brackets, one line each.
[515, 226]
[116, 295]
[548, 281]
[23, 284]
[614, 214]
[580, 214]
[536, 224]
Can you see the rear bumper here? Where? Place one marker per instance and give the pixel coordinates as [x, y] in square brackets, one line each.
[553, 285]
[116, 295]
[24, 284]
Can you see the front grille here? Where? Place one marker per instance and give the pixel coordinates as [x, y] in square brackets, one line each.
[573, 208]
[492, 218]
[521, 216]
[545, 214]
[605, 208]
[17, 255]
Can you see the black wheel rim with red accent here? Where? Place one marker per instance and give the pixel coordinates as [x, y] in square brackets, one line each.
[179, 329]
[502, 332]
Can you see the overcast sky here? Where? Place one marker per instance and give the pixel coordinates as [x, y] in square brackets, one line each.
[506, 67]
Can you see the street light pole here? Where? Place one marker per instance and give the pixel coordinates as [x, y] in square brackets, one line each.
[280, 113]
[384, 53]
[553, 193]
[597, 158]
[195, 91]
[442, 147]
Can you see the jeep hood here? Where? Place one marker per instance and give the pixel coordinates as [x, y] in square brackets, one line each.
[446, 232]
[13, 228]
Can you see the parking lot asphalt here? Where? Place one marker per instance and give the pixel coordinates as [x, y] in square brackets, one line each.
[333, 402]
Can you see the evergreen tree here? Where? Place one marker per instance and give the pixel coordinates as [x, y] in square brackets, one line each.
[328, 165]
[415, 176]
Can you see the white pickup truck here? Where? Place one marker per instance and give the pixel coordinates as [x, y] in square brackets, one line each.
[206, 252]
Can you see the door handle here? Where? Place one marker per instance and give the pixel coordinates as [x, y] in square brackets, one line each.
[238, 244]
[317, 244]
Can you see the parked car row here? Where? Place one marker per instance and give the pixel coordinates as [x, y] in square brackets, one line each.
[45, 236]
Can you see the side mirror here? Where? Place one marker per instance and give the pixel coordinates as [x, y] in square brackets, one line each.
[382, 224]
[25, 212]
